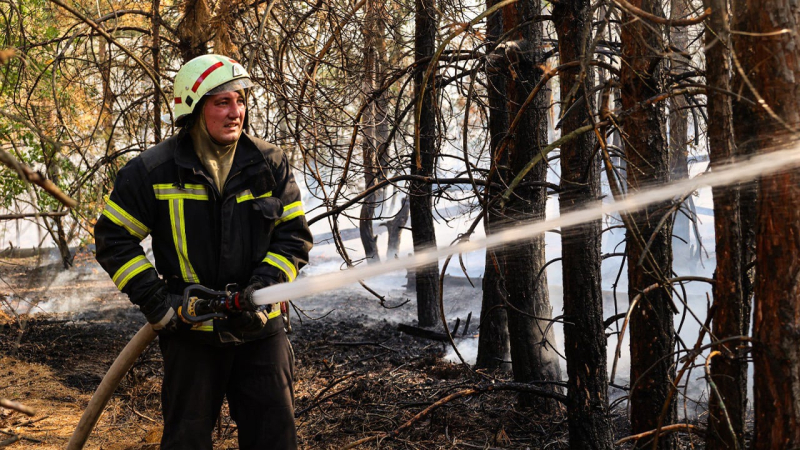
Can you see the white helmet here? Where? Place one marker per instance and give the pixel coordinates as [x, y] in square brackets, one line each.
[206, 75]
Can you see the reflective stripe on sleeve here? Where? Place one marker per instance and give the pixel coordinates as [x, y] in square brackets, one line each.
[172, 192]
[121, 217]
[208, 325]
[275, 311]
[246, 195]
[283, 264]
[291, 211]
[131, 268]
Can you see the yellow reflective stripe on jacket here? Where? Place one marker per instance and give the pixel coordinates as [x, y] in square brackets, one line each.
[276, 311]
[246, 195]
[172, 192]
[178, 222]
[291, 211]
[130, 269]
[121, 217]
[283, 264]
[208, 325]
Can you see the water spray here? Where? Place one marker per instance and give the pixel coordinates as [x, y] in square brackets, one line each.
[738, 172]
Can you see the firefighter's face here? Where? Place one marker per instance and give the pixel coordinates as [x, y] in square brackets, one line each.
[224, 114]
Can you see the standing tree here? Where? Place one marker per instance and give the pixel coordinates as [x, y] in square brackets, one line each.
[423, 162]
[678, 129]
[648, 237]
[522, 265]
[728, 369]
[767, 51]
[584, 333]
[493, 344]
[376, 127]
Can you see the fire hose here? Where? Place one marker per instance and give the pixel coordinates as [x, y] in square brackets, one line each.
[199, 305]
[734, 173]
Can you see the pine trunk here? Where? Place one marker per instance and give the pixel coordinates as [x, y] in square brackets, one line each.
[769, 59]
[729, 369]
[532, 340]
[420, 194]
[584, 333]
[651, 325]
[493, 344]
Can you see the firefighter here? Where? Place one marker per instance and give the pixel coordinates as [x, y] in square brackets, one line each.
[223, 210]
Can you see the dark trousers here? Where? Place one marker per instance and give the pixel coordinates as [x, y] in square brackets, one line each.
[255, 376]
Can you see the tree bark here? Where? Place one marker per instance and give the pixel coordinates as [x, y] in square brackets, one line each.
[493, 344]
[745, 140]
[531, 336]
[770, 62]
[678, 133]
[192, 29]
[420, 194]
[375, 125]
[729, 370]
[156, 52]
[584, 333]
[394, 229]
[651, 323]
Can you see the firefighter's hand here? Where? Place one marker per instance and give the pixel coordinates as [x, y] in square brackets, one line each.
[246, 301]
[249, 321]
[162, 311]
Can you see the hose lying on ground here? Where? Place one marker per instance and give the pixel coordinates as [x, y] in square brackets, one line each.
[111, 380]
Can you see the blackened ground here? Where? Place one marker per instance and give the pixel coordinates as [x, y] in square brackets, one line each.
[356, 375]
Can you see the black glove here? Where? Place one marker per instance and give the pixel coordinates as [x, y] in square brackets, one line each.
[246, 302]
[249, 321]
[162, 311]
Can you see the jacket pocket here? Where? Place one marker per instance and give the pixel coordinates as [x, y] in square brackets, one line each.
[271, 208]
[266, 211]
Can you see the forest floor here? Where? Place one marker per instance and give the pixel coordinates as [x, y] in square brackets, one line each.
[356, 375]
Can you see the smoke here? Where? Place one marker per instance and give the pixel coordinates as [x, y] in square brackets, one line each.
[49, 288]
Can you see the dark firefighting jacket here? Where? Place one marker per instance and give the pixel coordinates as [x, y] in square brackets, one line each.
[255, 231]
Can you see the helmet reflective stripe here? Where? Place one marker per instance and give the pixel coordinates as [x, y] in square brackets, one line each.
[204, 75]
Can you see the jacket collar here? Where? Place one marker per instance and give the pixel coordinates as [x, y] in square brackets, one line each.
[248, 159]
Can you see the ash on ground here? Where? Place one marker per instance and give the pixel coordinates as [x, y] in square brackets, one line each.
[356, 375]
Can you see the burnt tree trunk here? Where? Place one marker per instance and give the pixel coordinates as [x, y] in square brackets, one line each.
[156, 53]
[770, 62]
[423, 163]
[745, 139]
[728, 370]
[531, 337]
[394, 228]
[493, 345]
[651, 324]
[584, 333]
[374, 125]
[678, 133]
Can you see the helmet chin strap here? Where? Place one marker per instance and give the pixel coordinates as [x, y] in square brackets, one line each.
[216, 158]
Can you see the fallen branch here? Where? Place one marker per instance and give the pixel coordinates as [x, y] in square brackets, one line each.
[488, 387]
[422, 332]
[317, 398]
[29, 422]
[667, 429]
[20, 437]
[5, 403]
[13, 439]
